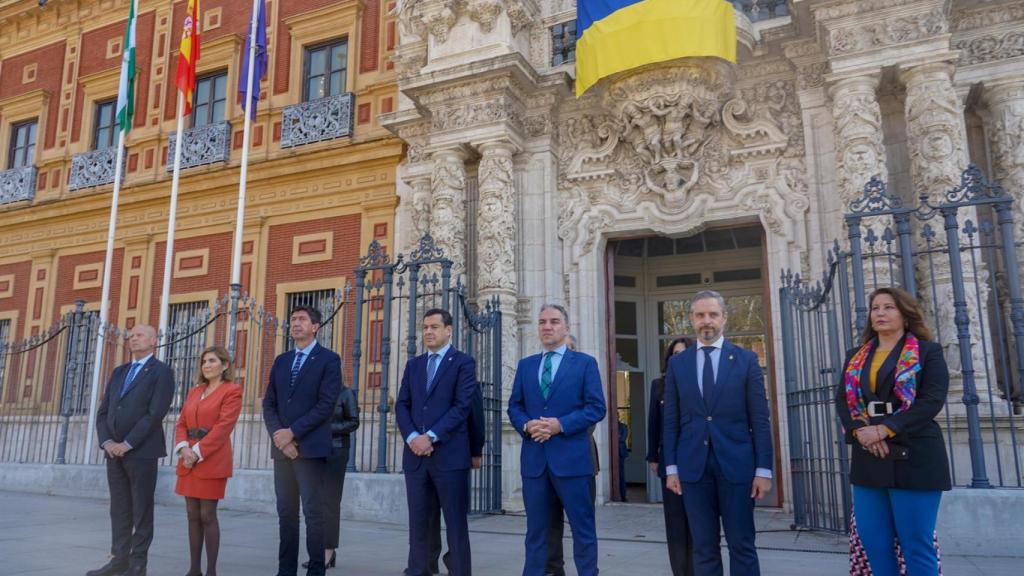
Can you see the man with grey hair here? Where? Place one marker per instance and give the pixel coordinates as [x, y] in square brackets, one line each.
[717, 439]
[556, 398]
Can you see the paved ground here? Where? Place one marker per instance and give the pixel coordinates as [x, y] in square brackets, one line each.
[58, 536]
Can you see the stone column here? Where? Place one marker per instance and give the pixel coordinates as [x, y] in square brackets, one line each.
[860, 152]
[497, 235]
[936, 143]
[448, 206]
[1005, 131]
[418, 210]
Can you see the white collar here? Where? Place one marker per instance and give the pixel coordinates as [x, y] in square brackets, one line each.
[561, 350]
[143, 361]
[716, 344]
[440, 353]
[308, 348]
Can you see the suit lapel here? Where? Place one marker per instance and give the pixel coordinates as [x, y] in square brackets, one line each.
[687, 381]
[532, 385]
[563, 368]
[442, 367]
[143, 372]
[726, 361]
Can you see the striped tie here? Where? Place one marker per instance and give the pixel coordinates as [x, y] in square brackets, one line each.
[295, 367]
[545, 376]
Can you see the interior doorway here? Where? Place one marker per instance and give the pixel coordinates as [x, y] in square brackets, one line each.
[653, 281]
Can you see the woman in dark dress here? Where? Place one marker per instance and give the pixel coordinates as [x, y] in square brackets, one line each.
[677, 531]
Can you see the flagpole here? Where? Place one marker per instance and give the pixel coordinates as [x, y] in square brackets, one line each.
[105, 298]
[165, 293]
[236, 256]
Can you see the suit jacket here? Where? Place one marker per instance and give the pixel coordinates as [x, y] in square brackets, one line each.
[576, 398]
[217, 413]
[916, 429]
[346, 417]
[137, 416]
[443, 410]
[655, 417]
[477, 424]
[736, 423]
[307, 407]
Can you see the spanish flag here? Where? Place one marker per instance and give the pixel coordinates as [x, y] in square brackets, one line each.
[617, 35]
[188, 54]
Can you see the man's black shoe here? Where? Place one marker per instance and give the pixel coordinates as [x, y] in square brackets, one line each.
[109, 569]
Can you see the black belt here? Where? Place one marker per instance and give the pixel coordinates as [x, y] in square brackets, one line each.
[197, 433]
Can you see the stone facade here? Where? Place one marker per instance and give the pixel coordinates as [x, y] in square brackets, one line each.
[787, 136]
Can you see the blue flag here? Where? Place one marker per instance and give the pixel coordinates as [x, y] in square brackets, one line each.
[261, 63]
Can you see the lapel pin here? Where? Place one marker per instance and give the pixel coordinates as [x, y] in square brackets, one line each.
[730, 356]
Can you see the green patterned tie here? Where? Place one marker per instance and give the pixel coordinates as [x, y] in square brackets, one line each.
[545, 376]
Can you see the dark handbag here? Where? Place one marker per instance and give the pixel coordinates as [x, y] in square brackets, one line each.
[897, 452]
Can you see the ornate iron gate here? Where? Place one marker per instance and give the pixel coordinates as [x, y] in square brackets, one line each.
[391, 295]
[967, 277]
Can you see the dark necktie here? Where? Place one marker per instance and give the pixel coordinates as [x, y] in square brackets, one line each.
[545, 376]
[295, 367]
[432, 361]
[132, 372]
[708, 378]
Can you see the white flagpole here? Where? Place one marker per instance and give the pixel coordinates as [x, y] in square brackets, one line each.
[104, 299]
[236, 256]
[165, 293]
[236, 252]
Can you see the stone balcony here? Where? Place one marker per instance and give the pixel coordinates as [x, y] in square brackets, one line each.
[17, 184]
[94, 168]
[318, 120]
[207, 144]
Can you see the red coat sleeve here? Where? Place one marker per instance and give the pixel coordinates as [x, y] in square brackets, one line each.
[220, 434]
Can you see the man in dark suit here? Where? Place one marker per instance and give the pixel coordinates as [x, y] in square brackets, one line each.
[717, 440]
[556, 398]
[304, 386]
[477, 439]
[434, 401]
[129, 425]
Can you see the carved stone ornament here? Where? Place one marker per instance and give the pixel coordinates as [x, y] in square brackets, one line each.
[674, 145]
[496, 220]
[990, 48]
[484, 12]
[321, 119]
[448, 206]
[201, 145]
[94, 168]
[888, 32]
[17, 184]
[860, 150]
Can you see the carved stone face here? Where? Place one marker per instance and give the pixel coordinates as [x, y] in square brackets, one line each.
[937, 145]
[860, 159]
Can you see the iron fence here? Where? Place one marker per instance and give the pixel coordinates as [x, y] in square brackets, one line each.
[956, 252]
[45, 380]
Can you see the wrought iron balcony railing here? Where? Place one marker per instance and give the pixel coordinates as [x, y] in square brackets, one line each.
[761, 10]
[201, 145]
[317, 120]
[17, 184]
[94, 168]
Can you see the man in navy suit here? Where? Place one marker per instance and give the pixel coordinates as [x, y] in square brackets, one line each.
[304, 385]
[717, 440]
[556, 398]
[432, 409]
[129, 425]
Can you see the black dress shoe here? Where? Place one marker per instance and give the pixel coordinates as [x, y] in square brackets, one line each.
[136, 571]
[329, 564]
[111, 568]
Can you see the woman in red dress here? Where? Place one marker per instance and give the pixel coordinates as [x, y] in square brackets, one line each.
[203, 445]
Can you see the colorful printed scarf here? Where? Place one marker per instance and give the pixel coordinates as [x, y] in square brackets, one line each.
[907, 367]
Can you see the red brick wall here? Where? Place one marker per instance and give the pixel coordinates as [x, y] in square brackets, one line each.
[370, 38]
[65, 293]
[94, 59]
[218, 268]
[19, 299]
[49, 62]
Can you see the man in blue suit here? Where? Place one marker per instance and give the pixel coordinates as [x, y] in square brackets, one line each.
[304, 385]
[717, 440]
[433, 405]
[556, 398]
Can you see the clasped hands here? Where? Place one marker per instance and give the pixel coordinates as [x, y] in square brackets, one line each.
[422, 445]
[542, 429]
[873, 439]
[759, 488]
[116, 449]
[284, 439]
[188, 456]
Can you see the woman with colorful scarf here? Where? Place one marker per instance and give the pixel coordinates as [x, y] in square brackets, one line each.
[893, 387]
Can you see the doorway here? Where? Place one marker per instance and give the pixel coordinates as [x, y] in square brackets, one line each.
[654, 279]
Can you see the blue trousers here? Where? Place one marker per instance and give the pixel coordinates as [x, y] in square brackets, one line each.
[427, 489]
[714, 499]
[576, 496]
[885, 513]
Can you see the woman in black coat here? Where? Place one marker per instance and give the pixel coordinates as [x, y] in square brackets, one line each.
[677, 532]
[893, 386]
[344, 423]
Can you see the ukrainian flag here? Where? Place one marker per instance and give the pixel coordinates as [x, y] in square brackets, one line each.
[617, 35]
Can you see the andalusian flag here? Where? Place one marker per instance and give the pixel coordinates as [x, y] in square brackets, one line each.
[126, 90]
[617, 35]
[188, 54]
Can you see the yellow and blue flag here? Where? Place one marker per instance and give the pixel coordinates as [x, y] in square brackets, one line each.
[617, 35]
